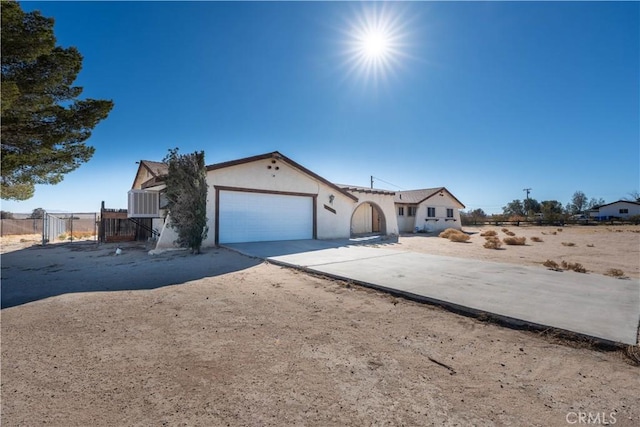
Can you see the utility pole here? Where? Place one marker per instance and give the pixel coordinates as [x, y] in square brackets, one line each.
[528, 190]
[372, 182]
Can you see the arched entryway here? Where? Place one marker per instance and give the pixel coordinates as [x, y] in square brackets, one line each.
[368, 219]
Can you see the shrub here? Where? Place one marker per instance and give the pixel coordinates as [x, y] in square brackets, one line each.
[459, 237]
[559, 229]
[63, 236]
[568, 244]
[515, 240]
[492, 243]
[510, 233]
[551, 265]
[488, 233]
[614, 272]
[448, 232]
[591, 245]
[577, 267]
[536, 239]
[504, 230]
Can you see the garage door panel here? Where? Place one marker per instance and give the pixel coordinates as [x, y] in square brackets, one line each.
[259, 217]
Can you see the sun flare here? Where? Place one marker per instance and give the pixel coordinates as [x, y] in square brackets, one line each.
[376, 43]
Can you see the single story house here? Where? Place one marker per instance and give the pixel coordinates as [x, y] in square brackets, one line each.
[271, 197]
[428, 210]
[622, 209]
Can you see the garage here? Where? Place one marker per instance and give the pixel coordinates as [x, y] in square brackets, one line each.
[248, 216]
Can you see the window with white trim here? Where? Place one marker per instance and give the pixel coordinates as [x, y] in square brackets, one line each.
[431, 212]
[411, 211]
[624, 211]
[449, 213]
[401, 211]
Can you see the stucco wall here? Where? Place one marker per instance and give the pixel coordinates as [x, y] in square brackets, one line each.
[440, 221]
[362, 219]
[278, 176]
[385, 203]
[406, 223]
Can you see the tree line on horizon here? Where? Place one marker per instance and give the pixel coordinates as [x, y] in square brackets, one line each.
[550, 210]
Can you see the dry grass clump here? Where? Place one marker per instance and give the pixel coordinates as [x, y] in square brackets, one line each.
[504, 230]
[615, 272]
[552, 265]
[568, 244]
[536, 239]
[448, 232]
[510, 233]
[559, 229]
[454, 235]
[575, 266]
[518, 241]
[459, 237]
[488, 233]
[492, 242]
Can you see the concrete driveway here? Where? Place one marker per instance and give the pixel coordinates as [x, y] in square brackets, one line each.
[588, 304]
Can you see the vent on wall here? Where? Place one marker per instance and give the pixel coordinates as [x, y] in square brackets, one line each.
[143, 204]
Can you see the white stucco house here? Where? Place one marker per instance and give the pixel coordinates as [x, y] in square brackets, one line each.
[271, 197]
[622, 209]
[428, 210]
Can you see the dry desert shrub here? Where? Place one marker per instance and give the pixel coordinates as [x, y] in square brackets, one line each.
[614, 272]
[536, 239]
[518, 241]
[591, 245]
[504, 230]
[568, 244]
[448, 232]
[492, 242]
[459, 237]
[488, 233]
[559, 229]
[575, 266]
[510, 233]
[551, 265]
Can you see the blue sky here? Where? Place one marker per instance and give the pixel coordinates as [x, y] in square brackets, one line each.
[484, 98]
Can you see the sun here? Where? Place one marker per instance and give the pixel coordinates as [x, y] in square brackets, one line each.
[376, 42]
[375, 45]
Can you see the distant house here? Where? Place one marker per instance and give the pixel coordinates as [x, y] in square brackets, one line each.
[271, 197]
[622, 209]
[429, 209]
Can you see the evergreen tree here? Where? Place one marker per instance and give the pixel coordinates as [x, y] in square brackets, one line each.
[186, 194]
[44, 124]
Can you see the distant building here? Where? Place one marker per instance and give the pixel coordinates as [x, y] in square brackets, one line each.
[622, 209]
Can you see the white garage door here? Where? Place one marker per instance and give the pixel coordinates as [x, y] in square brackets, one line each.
[260, 217]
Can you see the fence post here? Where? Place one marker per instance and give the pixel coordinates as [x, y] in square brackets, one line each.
[71, 227]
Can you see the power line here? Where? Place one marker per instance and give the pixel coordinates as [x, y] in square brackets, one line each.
[386, 182]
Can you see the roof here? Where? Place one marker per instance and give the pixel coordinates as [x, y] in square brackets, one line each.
[365, 189]
[595, 208]
[277, 155]
[419, 196]
[156, 169]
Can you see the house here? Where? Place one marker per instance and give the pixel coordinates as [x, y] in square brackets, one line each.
[429, 209]
[271, 197]
[621, 209]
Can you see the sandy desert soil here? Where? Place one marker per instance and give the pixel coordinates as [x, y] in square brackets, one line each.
[597, 248]
[222, 339]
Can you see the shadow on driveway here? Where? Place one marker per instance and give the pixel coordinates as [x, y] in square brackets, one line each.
[40, 272]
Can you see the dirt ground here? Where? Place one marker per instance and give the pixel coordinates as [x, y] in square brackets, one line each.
[91, 338]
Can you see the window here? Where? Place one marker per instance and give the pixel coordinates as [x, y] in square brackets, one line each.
[431, 212]
[401, 211]
[412, 211]
[449, 213]
[624, 211]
